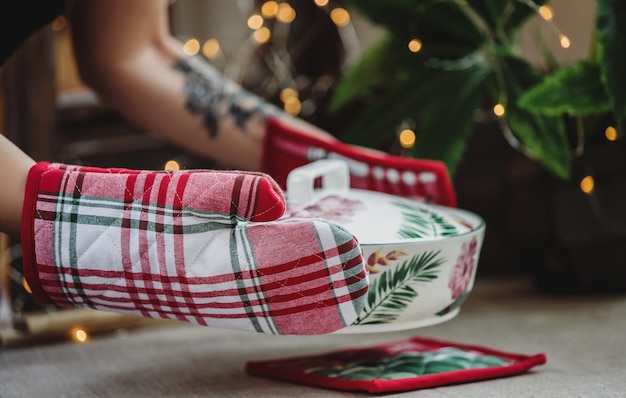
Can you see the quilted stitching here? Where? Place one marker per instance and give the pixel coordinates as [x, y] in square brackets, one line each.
[120, 250]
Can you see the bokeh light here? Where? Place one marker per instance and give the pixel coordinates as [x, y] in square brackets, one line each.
[499, 110]
[610, 133]
[211, 48]
[255, 21]
[191, 47]
[546, 12]
[407, 138]
[293, 106]
[287, 93]
[262, 35]
[415, 45]
[80, 335]
[269, 9]
[340, 16]
[285, 13]
[171, 165]
[26, 286]
[587, 185]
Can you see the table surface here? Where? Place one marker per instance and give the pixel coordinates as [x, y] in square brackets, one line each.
[583, 337]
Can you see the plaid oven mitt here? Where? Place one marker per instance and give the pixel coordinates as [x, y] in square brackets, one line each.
[198, 246]
[409, 364]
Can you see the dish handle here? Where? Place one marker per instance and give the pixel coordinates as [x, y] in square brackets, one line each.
[334, 175]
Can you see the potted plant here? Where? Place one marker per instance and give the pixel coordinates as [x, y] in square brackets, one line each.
[443, 65]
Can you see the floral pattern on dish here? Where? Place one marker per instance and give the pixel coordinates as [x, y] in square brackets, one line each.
[332, 208]
[461, 274]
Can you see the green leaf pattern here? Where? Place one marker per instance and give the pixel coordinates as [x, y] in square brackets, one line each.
[419, 222]
[611, 30]
[393, 291]
[411, 364]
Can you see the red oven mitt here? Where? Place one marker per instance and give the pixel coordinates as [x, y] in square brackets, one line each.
[410, 364]
[201, 246]
[286, 148]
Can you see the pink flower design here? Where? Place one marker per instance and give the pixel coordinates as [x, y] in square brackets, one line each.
[334, 208]
[461, 274]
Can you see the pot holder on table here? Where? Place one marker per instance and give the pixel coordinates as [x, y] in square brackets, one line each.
[409, 364]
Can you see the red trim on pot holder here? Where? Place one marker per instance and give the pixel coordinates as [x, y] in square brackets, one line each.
[337, 369]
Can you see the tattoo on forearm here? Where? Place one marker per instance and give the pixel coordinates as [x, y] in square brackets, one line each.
[210, 94]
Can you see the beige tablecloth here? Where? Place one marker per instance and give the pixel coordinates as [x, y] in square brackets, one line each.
[584, 339]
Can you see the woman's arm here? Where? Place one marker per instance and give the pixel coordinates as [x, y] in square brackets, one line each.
[126, 53]
[14, 166]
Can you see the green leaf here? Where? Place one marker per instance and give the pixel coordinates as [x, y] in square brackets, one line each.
[523, 10]
[543, 136]
[359, 374]
[410, 365]
[448, 114]
[426, 19]
[491, 11]
[455, 304]
[575, 90]
[390, 59]
[504, 17]
[384, 59]
[447, 122]
[402, 98]
[419, 222]
[611, 26]
[393, 291]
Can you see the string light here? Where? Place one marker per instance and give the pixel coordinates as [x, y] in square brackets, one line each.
[287, 93]
[340, 16]
[191, 47]
[546, 12]
[255, 21]
[262, 35]
[610, 133]
[293, 106]
[80, 335]
[269, 9]
[26, 286]
[499, 110]
[171, 165]
[285, 13]
[211, 48]
[264, 30]
[587, 185]
[407, 138]
[415, 45]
